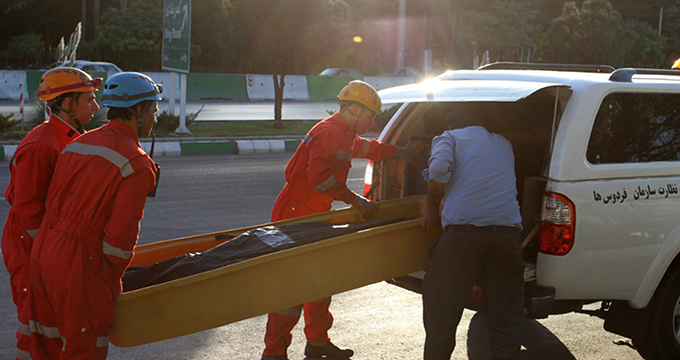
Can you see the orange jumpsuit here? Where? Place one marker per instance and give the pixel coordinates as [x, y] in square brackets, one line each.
[86, 242]
[315, 176]
[31, 171]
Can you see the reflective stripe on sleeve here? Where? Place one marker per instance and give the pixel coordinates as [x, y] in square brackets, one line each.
[32, 233]
[307, 139]
[108, 249]
[344, 155]
[103, 341]
[109, 154]
[326, 184]
[46, 331]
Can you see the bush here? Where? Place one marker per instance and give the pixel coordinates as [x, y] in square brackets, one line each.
[170, 123]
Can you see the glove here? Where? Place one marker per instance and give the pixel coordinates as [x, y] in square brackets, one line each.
[365, 206]
[410, 151]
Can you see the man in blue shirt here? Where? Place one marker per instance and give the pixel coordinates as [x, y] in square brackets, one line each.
[472, 170]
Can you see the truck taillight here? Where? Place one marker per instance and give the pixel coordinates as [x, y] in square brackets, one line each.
[368, 178]
[557, 225]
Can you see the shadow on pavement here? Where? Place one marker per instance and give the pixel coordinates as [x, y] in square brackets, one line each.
[539, 342]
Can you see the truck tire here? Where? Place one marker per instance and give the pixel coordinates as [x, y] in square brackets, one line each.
[661, 339]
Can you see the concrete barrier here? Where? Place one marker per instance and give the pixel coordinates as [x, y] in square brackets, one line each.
[9, 84]
[9, 151]
[322, 88]
[384, 82]
[217, 86]
[261, 87]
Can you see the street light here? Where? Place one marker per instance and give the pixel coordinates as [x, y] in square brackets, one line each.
[401, 33]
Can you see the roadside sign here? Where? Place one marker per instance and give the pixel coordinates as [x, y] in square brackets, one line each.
[176, 35]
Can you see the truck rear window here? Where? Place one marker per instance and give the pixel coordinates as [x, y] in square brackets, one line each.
[636, 127]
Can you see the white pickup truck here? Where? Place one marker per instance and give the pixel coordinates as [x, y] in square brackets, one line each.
[597, 156]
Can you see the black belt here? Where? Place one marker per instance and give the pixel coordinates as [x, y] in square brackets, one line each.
[482, 229]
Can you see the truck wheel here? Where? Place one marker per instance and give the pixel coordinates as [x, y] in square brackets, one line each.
[662, 336]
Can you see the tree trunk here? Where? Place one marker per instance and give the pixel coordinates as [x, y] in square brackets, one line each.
[84, 17]
[279, 84]
[97, 50]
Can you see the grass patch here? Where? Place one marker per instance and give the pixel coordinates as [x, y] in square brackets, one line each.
[243, 128]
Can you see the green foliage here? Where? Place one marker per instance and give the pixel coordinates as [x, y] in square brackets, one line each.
[169, 123]
[27, 47]
[8, 122]
[132, 37]
[597, 34]
[306, 36]
[506, 27]
[288, 37]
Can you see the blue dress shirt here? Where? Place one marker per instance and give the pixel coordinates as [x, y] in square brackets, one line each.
[478, 168]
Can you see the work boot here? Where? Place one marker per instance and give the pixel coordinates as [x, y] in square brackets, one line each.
[327, 350]
[276, 357]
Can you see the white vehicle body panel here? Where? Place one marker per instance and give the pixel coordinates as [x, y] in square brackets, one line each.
[627, 215]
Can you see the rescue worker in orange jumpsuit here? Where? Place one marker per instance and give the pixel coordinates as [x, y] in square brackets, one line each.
[316, 175]
[86, 240]
[69, 92]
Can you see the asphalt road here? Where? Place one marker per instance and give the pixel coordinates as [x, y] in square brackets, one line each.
[223, 110]
[211, 193]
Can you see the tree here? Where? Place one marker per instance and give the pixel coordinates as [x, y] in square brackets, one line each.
[28, 47]
[133, 36]
[644, 46]
[211, 32]
[505, 29]
[590, 35]
[597, 34]
[283, 37]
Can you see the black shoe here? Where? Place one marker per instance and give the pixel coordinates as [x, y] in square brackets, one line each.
[277, 357]
[328, 350]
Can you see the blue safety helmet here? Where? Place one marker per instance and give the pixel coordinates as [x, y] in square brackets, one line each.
[126, 89]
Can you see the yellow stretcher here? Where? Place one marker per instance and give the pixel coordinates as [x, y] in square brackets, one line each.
[271, 282]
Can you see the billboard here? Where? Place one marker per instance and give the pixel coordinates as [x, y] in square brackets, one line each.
[177, 36]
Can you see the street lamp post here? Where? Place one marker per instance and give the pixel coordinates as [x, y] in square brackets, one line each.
[401, 33]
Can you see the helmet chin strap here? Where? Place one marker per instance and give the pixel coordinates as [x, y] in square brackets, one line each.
[140, 122]
[356, 119]
[79, 127]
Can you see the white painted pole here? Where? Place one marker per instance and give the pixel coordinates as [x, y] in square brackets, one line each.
[173, 86]
[401, 33]
[182, 129]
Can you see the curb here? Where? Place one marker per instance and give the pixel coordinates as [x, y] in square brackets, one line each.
[211, 147]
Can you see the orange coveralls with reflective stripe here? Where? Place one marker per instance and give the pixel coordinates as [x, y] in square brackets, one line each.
[86, 242]
[31, 171]
[315, 176]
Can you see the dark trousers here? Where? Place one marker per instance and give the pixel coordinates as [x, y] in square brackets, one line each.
[459, 259]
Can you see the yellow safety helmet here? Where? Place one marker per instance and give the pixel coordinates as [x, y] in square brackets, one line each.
[64, 80]
[362, 93]
[676, 65]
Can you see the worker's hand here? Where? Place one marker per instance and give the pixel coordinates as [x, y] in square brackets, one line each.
[410, 151]
[365, 206]
[430, 217]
